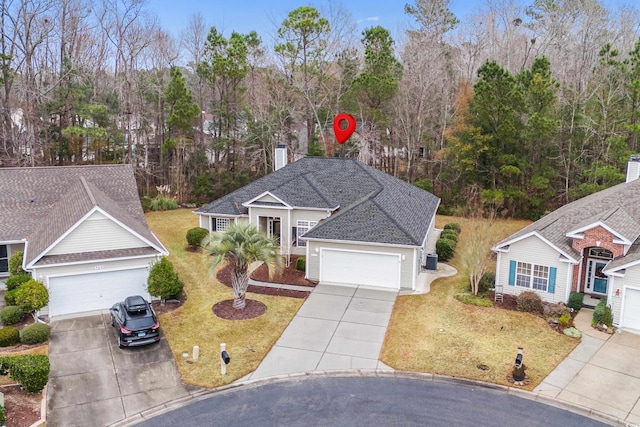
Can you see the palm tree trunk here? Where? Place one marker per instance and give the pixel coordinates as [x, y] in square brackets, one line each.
[239, 283]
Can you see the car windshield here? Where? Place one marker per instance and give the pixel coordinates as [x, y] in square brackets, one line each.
[140, 322]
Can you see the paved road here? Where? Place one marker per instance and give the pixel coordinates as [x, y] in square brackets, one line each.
[367, 401]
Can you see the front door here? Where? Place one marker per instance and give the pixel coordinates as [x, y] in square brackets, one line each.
[273, 228]
[596, 280]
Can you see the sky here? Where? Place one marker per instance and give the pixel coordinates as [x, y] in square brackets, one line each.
[265, 16]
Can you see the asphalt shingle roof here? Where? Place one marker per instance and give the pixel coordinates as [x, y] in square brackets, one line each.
[617, 207]
[42, 203]
[373, 206]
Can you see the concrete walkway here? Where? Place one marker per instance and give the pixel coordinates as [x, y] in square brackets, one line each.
[601, 374]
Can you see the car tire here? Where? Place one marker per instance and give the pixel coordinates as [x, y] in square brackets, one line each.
[113, 324]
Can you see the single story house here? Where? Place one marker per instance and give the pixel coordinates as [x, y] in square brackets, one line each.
[355, 224]
[82, 231]
[590, 245]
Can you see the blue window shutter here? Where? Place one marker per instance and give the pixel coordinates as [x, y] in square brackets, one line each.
[552, 280]
[512, 273]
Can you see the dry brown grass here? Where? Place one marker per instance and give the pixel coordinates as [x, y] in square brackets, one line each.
[248, 341]
[438, 334]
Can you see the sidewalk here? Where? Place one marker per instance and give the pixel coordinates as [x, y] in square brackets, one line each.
[601, 374]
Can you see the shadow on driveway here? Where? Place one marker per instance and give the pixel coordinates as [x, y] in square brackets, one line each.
[93, 382]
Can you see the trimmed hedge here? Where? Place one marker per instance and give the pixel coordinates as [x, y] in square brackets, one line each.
[301, 263]
[31, 371]
[449, 234]
[35, 333]
[3, 417]
[445, 249]
[10, 297]
[529, 302]
[452, 226]
[163, 281]
[32, 296]
[196, 235]
[575, 300]
[9, 336]
[14, 282]
[11, 314]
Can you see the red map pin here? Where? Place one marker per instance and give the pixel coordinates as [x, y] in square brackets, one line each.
[343, 134]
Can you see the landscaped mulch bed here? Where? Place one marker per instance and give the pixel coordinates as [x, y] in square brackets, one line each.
[224, 277]
[224, 310]
[509, 301]
[288, 276]
[168, 306]
[22, 409]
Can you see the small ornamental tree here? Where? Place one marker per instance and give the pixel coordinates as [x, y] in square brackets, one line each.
[15, 264]
[32, 296]
[163, 281]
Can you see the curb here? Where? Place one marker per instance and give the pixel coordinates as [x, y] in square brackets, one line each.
[206, 393]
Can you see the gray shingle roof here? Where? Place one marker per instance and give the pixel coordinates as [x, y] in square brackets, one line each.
[374, 206]
[617, 207]
[42, 203]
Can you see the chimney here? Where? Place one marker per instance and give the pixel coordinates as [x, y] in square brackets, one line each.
[280, 158]
[633, 168]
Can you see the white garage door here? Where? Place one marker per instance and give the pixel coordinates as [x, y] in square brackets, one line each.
[631, 316]
[360, 268]
[96, 291]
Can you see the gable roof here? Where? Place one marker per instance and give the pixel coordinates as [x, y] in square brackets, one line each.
[371, 205]
[41, 204]
[616, 208]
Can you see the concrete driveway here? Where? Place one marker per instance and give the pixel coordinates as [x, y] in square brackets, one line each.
[93, 382]
[337, 327]
[601, 374]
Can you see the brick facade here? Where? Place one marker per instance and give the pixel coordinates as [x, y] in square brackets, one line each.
[595, 237]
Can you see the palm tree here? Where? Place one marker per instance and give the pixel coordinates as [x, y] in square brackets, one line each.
[242, 245]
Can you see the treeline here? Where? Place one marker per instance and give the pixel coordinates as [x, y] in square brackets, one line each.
[516, 109]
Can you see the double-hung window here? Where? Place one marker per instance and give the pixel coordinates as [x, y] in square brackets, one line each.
[303, 227]
[532, 276]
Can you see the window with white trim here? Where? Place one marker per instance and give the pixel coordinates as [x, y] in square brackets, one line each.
[220, 224]
[532, 276]
[303, 227]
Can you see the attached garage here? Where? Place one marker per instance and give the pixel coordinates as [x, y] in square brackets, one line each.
[95, 291]
[360, 268]
[631, 310]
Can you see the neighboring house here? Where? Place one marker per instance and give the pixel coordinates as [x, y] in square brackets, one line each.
[355, 224]
[83, 233]
[590, 245]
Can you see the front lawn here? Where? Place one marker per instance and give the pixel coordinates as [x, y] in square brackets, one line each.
[438, 334]
[248, 341]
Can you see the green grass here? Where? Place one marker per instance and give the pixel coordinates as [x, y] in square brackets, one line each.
[248, 341]
[436, 333]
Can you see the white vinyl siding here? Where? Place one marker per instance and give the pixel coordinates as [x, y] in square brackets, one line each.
[535, 252]
[630, 282]
[97, 233]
